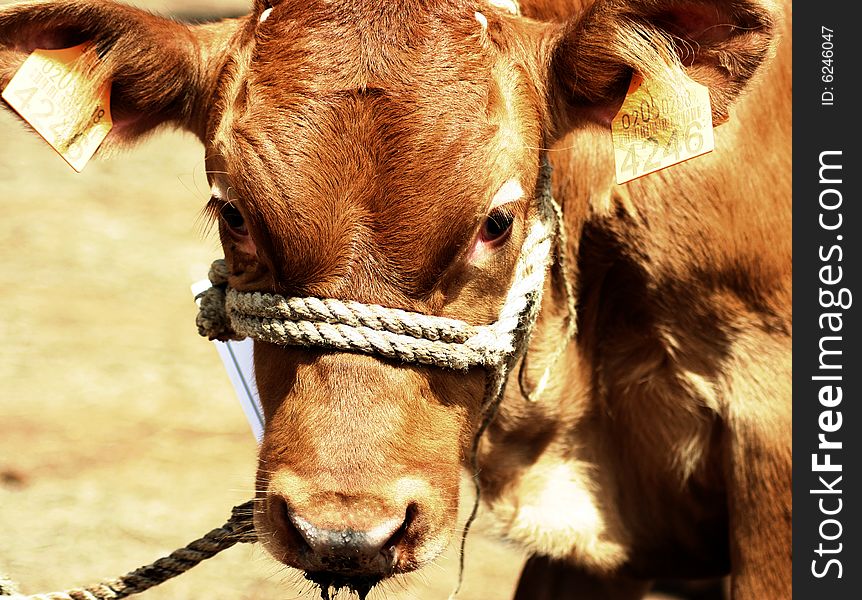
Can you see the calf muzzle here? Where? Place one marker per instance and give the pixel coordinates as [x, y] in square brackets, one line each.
[367, 547]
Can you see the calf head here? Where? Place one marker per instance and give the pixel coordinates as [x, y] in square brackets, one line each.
[386, 154]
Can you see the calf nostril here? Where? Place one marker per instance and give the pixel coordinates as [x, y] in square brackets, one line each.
[284, 523]
[394, 541]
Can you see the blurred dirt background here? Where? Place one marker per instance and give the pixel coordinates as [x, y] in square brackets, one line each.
[120, 436]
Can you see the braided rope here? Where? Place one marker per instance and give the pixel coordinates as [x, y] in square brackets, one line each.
[238, 529]
[526, 306]
[561, 245]
[351, 326]
[411, 337]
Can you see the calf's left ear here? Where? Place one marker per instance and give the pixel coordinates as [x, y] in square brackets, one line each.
[718, 43]
[161, 71]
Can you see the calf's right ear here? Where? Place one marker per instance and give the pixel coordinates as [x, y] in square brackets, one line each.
[161, 71]
[718, 43]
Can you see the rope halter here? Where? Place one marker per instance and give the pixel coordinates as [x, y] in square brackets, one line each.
[331, 324]
[409, 337]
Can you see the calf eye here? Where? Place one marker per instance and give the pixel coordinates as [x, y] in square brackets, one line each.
[233, 219]
[497, 225]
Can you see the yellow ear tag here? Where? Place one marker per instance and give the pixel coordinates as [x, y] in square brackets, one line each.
[50, 91]
[660, 125]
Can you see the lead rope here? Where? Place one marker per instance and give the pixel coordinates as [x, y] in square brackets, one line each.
[351, 326]
[238, 529]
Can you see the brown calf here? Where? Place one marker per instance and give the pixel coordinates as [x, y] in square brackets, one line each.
[379, 152]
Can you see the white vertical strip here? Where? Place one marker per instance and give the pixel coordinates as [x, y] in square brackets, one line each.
[238, 361]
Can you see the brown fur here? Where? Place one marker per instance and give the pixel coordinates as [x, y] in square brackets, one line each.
[362, 144]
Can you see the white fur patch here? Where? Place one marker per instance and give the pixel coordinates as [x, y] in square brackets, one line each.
[216, 191]
[483, 20]
[553, 511]
[510, 6]
[508, 192]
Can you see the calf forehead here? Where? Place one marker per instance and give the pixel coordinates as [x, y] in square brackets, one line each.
[348, 192]
[367, 153]
[356, 44]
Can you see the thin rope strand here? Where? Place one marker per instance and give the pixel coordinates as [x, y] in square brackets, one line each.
[350, 326]
[496, 381]
[238, 529]
[561, 248]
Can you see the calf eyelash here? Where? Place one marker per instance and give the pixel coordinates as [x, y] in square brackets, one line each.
[218, 209]
[212, 210]
[497, 225]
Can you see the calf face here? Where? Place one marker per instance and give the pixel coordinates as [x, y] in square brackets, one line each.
[369, 175]
[387, 154]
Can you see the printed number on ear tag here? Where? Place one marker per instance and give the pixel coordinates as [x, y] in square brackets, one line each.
[660, 125]
[52, 93]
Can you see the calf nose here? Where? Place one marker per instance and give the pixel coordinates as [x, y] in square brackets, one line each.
[350, 550]
[367, 546]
